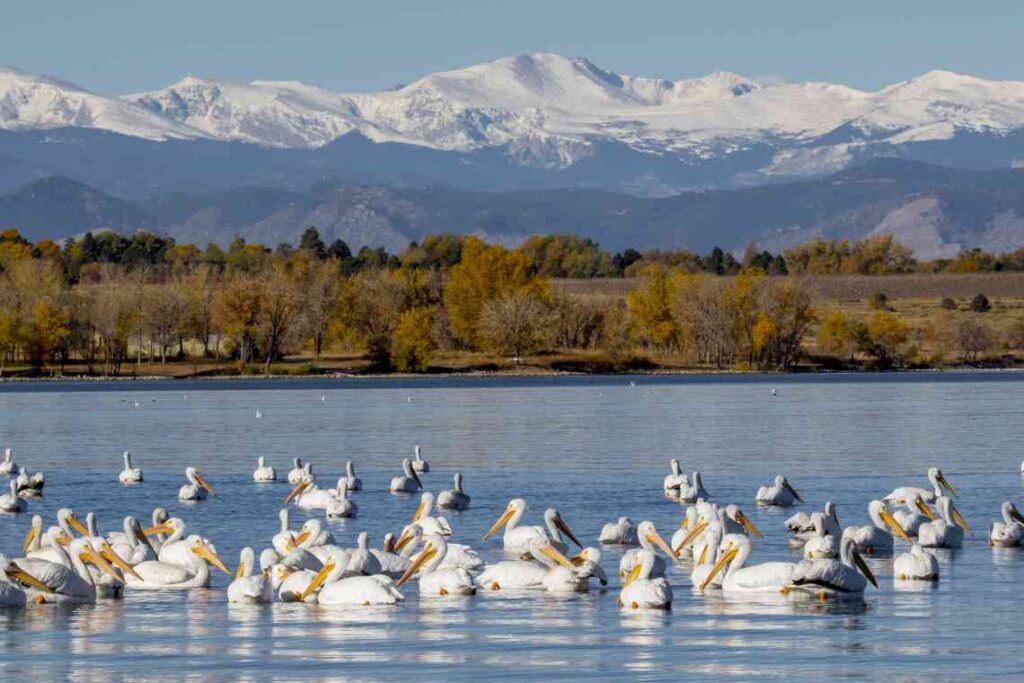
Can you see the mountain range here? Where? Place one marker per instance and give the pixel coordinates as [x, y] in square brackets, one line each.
[524, 144]
[935, 210]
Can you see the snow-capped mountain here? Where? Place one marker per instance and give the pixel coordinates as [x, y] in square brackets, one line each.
[552, 112]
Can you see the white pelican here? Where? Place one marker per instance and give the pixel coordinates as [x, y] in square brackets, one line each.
[55, 536]
[916, 565]
[10, 502]
[733, 553]
[705, 555]
[876, 537]
[69, 523]
[174, 549]
[801, 526]
[520, 574]
[30, 487]
[263, 471]
[129, 475]
[157, 519]
[70, 580]
[195, 573]
[1008, 533]
[340, 506]
[454, 498]
[674, 479]
[308, 496]
[430, 524]
[284, 540]
[354, 483]
[361, 560]
[419, 464]
[821, 545]
[458, 555]
[640, 591]
[589, 562]
[196, 488]
[734, 521]
[249, 588]
[563, 575]
[690, 491]
[297, 473]
[12, 593]
[391, 563]
[938, 482]
[312, 534]
[336, 589]
[651, 541]
[846, 577]
[131, 544]
[947, 531]
[780, 494]
[291, 584]
[916, 513]
[7, 466]
[690, 519]
[408, 482]
[517, 538]
[622, 532]
[436, 580]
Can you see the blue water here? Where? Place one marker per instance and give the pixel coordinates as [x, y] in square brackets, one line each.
[595, 448]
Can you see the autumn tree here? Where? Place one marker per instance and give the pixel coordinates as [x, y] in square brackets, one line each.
[277, 312]
[650, 309]
[836, 335]
[413, 340]
[517, 323]
[886, 337]
[237, 308]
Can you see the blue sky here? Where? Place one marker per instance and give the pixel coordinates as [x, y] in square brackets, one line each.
[119, 46]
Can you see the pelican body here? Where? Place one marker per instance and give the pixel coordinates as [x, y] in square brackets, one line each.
[1009, 532]
[945, 532]
[10, 502]
[779, 494]
[916, 565]
[903, 494]
[8, 466]
[129, 475]
[517, 539]
[454, 498]
[263, 471]
[640, 590]
[847, 576]
[621, 532]
[767, 577]
[249, 588]
[877, 538]
[436, 580]
[407, 482]
[196, 488]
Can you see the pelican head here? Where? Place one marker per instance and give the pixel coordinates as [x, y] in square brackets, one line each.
[201, 549]
[516, 509]
[193, 475]
[734, 513]
[553, 518]
[848, 551]
[650, 538]
[939, 481]
[782, 482]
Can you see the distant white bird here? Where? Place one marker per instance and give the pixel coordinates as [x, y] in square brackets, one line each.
[8, 465]
[938, 481]
[916, 513]
[454, 498]
[690, 491]
[259, 414]
[426, 521]
[916, 565]
[10, 502]
[408, 482]
[297, 473]
[774, 393]
[780, 494]
[30, 487]
[674, 479]
[353, 482]
[341, 507]
[621, 532]
[129, 475]
[419, 464]
[197, 488]
[1009, 532]
[263, 471]
[322, 398]
[947, 531]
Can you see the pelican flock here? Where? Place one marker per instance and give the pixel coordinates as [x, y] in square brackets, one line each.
[716, 546]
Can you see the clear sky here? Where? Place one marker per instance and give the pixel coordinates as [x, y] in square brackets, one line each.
[121, 46]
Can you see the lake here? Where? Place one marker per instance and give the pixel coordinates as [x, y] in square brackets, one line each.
[595, 448]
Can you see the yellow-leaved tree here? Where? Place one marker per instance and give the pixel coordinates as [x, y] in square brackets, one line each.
[650, 309]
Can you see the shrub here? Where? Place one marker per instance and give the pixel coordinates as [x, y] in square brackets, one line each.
[980, 304]
[879, 301]
[948, 304]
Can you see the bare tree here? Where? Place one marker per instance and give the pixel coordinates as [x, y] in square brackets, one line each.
[516, 323]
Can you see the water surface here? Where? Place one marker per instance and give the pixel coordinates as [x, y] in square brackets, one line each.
[596, 448]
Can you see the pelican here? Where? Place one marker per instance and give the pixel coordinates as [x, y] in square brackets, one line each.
[436, 580]
[767, 577]
[563, 575]
[801, 526]
[651, 541]
[916, 513]
[54, 536]
[454, 498]
[458, 555]
[249, 588]
[674, 479]
[780, 494]
[734, 521]
[430, 525]
[589, 561]
[947, 531]
[131, 544]
[341, 507]
[622, 532]
[361, 560]
[419, 464]
[109, 586]
[876, 537]
[1009, 532]
[263, 471]
[391, 563]
[196, 488]
[690, 491]
[916, 565]
[337, 589]
[938, 482]
[312, 535]
[13, 594]
[640, 591]
[284, 540]
[195, 573]
[129, 475]
[157, 519]
[517, 538]
[690, 519]
[706, 555]
[520, 574]
[308, 496]
[408, 482]
[7, 466]
[30, 487]
[822, 544]
[70, 580]
[846, 577]
[353, 482]
[297, 472]
[10, 503]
